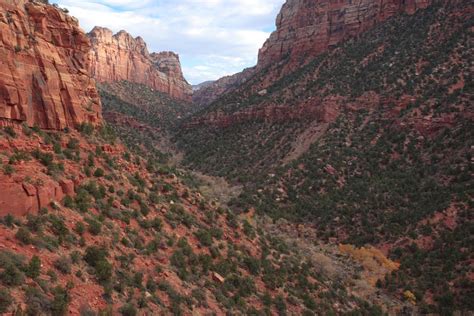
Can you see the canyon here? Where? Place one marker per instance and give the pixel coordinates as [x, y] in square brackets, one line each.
[334, 177]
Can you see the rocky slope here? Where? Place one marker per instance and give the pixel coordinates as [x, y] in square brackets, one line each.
[212, 90]
[131, 237]
[88, 227]
[306, 28]
[44, 65]
[370, 142]
[122, 57]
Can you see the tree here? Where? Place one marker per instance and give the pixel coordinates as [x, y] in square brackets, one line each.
[34, 267]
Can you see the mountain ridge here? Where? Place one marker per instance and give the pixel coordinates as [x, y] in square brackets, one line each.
[120, 56]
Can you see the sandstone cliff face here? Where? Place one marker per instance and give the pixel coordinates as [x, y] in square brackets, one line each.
[44, 79]
[306, 28]
[122, 57]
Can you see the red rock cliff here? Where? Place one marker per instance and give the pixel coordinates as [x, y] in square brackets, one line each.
[306, 28]
[122, 57]
[44, 79]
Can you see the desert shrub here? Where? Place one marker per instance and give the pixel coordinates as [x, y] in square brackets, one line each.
[99, 173]
[97, 258]
[95, 227]
[5, 300]
[34, 267]
[24, 236]
[8, 170]
[128, 310]
[63, 264]
[37, 303]
[61, 299]
[10, 131]
[204, 237]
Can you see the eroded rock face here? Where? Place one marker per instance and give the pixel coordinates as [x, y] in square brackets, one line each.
[44, 79]
[306, 28]
[122, 57]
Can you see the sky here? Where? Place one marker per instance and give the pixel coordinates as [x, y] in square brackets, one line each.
[214, 38]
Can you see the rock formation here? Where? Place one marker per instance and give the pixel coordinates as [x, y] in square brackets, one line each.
[122, 57]
[44, 79]
[210, 91]
[306, 28]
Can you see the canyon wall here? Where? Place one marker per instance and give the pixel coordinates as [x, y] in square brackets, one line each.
[123, 57]
[306, 28]
[44, 63]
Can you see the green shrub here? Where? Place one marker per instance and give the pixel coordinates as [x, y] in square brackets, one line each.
[99, 172]
[96, 257]
[34, 267]
[204, 237]
[10, 131]
[5, 300]
[63, 264]
[11, 276]
[95, 227]
[24, 235]
[60, 303]
[8, 170]
[128, 310]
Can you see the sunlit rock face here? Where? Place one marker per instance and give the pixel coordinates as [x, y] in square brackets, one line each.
[44, 61]
[120, 56]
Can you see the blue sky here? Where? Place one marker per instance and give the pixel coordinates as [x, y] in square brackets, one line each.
[214, 38]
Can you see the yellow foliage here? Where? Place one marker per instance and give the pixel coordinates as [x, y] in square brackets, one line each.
[375, 264]
[409, 296]
[365, 255]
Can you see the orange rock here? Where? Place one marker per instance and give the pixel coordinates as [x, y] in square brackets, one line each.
[122, 57]
[43, 73]
[218, 278]
[15, 199]
[306, 28]
[67, 187]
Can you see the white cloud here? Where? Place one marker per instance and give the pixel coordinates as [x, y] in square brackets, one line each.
[213, 37]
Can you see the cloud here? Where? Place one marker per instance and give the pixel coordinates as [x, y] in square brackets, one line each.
[213, 37]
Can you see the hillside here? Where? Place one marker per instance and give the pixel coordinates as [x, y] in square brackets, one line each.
[91, 227]
[371, 141]
[127, 234]
[334, 178]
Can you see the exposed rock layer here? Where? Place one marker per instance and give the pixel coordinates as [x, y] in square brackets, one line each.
[122, 57]
[44, 79]
[305, 28]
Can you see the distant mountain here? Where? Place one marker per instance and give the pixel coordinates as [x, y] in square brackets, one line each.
[122, 57]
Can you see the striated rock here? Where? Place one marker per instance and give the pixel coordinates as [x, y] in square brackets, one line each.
[323, 110]
[122, 57]
[44, 79]
[306, 28]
